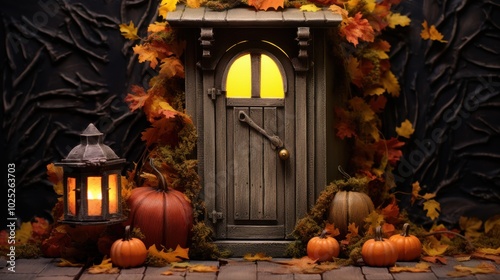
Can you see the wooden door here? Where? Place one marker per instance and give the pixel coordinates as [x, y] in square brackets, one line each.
[254, 186]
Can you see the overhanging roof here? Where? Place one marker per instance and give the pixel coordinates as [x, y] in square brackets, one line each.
[248, 17]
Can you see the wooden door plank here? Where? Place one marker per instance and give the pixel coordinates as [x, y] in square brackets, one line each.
[241, 172]
[256, 164]
[270, 167]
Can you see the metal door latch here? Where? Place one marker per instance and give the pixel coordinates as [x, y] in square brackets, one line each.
[215, 216]
[275, 140]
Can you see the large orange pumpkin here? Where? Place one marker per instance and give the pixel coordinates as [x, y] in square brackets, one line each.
[409, 246]
[349, 207]
[323, 248]
[128, 252]
[379, 251]
[164, 215]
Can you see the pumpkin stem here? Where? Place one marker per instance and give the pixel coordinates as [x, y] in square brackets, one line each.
[342, 171]
[127, 237]
[323, 234]
[163, 183]
[378, 234]
[406, 230]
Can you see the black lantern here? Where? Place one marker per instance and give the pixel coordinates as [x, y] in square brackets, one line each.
[92, 181]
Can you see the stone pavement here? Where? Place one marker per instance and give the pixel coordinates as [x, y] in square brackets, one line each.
[46, 268]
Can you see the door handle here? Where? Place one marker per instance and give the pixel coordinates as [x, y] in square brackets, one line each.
[276, 141]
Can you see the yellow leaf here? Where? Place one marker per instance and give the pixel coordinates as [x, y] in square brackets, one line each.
[405, 129]
[129, 31]
[23, 234]
[194, 3]
[482, 268]
[415, 191]
[166, 6]
[381, 54]
[374, 91]
[256, 257]
[433, 247]
[370, 5]
[489, 251]
[428, 196]
[309, 8]
[202, 268]
[433, 208]
[104, 267]
[471, 226]
[390, 83]
[491, 223]
[171, 66]
[351, 4]
[360, 107]
[157, 26]
[374, 220]
[66, 263]
[172, 256]
[431, 33]
[394, 19]
[167, 273]
[419, 267]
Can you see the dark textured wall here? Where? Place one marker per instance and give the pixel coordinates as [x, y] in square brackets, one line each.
[65, 64]
[451, 94]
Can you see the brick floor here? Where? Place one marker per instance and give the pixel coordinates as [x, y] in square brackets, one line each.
[232, 269]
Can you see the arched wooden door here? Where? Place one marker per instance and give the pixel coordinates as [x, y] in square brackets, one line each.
[255, 188]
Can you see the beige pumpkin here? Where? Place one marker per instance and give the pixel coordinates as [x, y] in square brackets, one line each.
[349, 207]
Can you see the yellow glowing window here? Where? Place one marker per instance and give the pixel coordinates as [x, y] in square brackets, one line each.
[254, 75]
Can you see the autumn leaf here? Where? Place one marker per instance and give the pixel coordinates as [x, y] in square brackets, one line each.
[66, 263]
[374, 91]
[373, 220]
[489, 251]
[146, 54]
[176, 255]
[171, 67]
[309, 8]
[257, 257]
[434, 259]
[482, 268]
[137, 99]
[352, 231]
[161, 132]
[129, 31]
[405, 129]
[391, 211]
[345, 125]
[394, 19]
[428, 196]
[377, 103]
[362, 109]
[388, 229]
[390, 149]
[339, 10]
[419, 267]
[431, 33]
[433, 247]
[104, 267]
[357, 28]
[202, 268]
[157, 26]
[471, 226]
[484, 256]
[370, 5]
[415, 191]
[332, 230]
[266, 4]
[55, 175]
[390, 83]
[194, 3]
[166, 6]
[491, 223]
[433, 208]
[354, 71]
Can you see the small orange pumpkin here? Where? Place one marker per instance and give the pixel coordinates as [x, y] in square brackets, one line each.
[323, 248]
[379, 251]
[409, 246]
[128, 252]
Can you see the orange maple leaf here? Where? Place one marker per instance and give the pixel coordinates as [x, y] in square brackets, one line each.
[146, 54]
[266, 4]
[138, 99]
[332, 230]
[345, 125]
[162, 132]
[431, 33]
[171, 66]
[355, 72]
[415, 191]
[355, 28]
[391, 211]
[353, 231]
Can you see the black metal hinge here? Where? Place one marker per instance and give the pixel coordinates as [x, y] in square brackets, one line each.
[215, 216]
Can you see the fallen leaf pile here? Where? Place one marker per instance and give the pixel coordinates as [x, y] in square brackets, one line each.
[419, 267]
[184, 267]
[482, 268]
[104, 267]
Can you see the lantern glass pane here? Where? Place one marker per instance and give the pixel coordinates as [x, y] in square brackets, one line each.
[113, 193]
[71, 199]
[94, 196]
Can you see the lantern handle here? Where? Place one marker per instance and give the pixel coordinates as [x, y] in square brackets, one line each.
[158, 175]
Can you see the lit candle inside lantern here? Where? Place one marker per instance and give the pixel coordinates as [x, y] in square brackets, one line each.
[94, 196]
